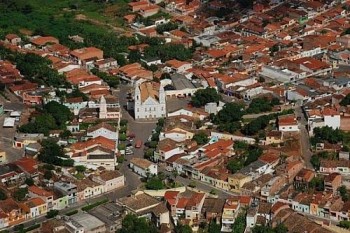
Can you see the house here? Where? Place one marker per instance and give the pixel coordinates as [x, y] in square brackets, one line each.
[28, 165]
[303, 178]
[237, 180]
[212, 209]
[147, 11]
[13, 39]
[84, 222]
[32, 98]
[34, 207]
[99, 151]
[104, 130]
[143, 167]
[67, 189]
[47, 196]
[134, 72]
[40, 41]
[273, 186]
[288, 123]
[110, 214]
[332, 182]
[273, 137]
[11, 213]
[196, 113]
[167, 148]
[146, 206]
[176, 66]
[109, 179]
[177, 134]
[149, 101]
[83, 55]
[229, 213]
[87, 188]
[335, 166]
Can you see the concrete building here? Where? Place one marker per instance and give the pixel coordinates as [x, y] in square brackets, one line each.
[85, 223]
[149, 101]
[103, 129]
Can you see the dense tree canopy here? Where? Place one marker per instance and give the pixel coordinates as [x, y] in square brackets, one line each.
[155, 183]
[345, 101]
[132, 223]
[204, 96]
[201, 138]
[239, 224]
[259, 105]
[328, 134]
[52, 153]
[166, 27]
[228, 119]
[256, 125]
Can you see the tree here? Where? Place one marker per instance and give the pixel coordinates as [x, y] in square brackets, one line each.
[48, 175]
[201, 138]
[259, 105]
[154, 183]
[122, 137]
[20, 194]
[3, 195]
[166, 27]
[256, 125]
[343, 192]
[234, 165]
[179, 228]
[60, 113]
[52, 214]
[204, 96]
[344, 224]
[131, 224]
[231, 112]
[280, 228]
[123, 122]
[328, 134]
[134, 56]
[80, 168]
[214, 227]
[65, 134]
[239, 224]
[52, 153]
[29, 181]
[345, 101]
[317, 183]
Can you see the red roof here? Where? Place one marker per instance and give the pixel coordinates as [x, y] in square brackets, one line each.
[39, 191]
[27, 165]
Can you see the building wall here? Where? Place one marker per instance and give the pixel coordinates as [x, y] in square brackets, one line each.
[288, 128]
[104, 133]
[332, 121]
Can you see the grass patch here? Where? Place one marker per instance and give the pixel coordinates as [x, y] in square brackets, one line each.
[93, 205]
[72, 213]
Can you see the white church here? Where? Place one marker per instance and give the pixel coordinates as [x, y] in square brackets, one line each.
[149, 101]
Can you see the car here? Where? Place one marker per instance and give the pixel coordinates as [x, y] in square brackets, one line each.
[138, 144]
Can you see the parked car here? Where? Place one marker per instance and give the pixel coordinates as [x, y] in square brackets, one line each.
[138, 144]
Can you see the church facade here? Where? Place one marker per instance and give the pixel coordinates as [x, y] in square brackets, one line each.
[149, 101]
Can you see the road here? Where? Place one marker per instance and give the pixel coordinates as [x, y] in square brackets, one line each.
[7, 134]
[304, 137]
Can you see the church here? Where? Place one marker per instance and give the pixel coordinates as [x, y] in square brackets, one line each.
[149, 101]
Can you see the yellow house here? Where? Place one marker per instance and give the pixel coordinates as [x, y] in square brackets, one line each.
[273, 137]
[237, 180]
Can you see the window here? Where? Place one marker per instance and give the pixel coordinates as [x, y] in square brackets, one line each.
[290, 127]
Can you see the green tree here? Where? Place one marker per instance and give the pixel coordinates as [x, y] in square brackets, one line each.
[344, 224]
[80, 168]
[259, 105]
[234, 165]
[166, 27]
[239, 224]
[154, 183]
[134, 56]
[29, 181]
[317, 183]
[204, 96]
[328, 134]
[52, 214]
[131, 224]
[66, 134]
[345, 101]
[20, 194]
[48, 175]
[201, 138]
[179, 228]
[214, 227]
[123, 122]
[3, 195]
[231, 112]
[52, 153]
[60, 113]
[343, 192]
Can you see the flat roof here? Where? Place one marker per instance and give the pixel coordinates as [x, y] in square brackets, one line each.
[9, 122]
[87, 221]
[15, 114]
[180, 82]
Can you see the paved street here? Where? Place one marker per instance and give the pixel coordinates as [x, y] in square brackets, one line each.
[7, 134]
[304, 138]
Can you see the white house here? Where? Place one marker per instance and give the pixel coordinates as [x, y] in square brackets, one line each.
[331, 118]
[288, 123]
[192, 112]
[149, 101]
[110, 180]
[177, 66]
[103, 129]
[143, 167]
